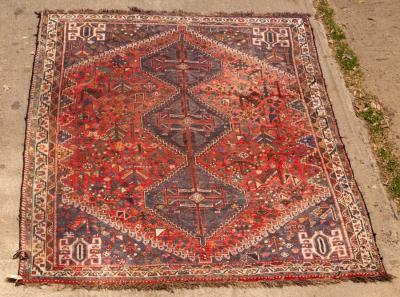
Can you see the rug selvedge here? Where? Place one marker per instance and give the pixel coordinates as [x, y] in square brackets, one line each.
[186, 149]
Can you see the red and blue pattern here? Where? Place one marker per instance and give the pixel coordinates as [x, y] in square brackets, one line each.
[186, 149]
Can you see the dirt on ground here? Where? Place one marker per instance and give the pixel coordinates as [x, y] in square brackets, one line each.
[17, 44]
[373, 30]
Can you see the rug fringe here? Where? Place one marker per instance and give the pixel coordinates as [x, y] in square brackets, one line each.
[20, 254]
[177, 12]
[14, 278]
[172, 286]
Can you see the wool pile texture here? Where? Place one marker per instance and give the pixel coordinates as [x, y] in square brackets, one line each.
[182, 150]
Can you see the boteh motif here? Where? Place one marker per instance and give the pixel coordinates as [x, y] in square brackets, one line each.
[186, 149]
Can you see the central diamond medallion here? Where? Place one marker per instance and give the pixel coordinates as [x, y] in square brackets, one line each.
[192, 199]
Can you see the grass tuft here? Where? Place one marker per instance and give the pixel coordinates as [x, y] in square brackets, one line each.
[347, 58]
[366, 105]
[375, 120]
[395, 185]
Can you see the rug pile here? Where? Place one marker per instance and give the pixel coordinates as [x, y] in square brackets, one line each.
[185, 149]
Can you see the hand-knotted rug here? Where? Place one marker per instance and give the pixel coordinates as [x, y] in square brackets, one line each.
[179, 149]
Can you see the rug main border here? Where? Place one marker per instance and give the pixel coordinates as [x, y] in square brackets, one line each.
[185, 282]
